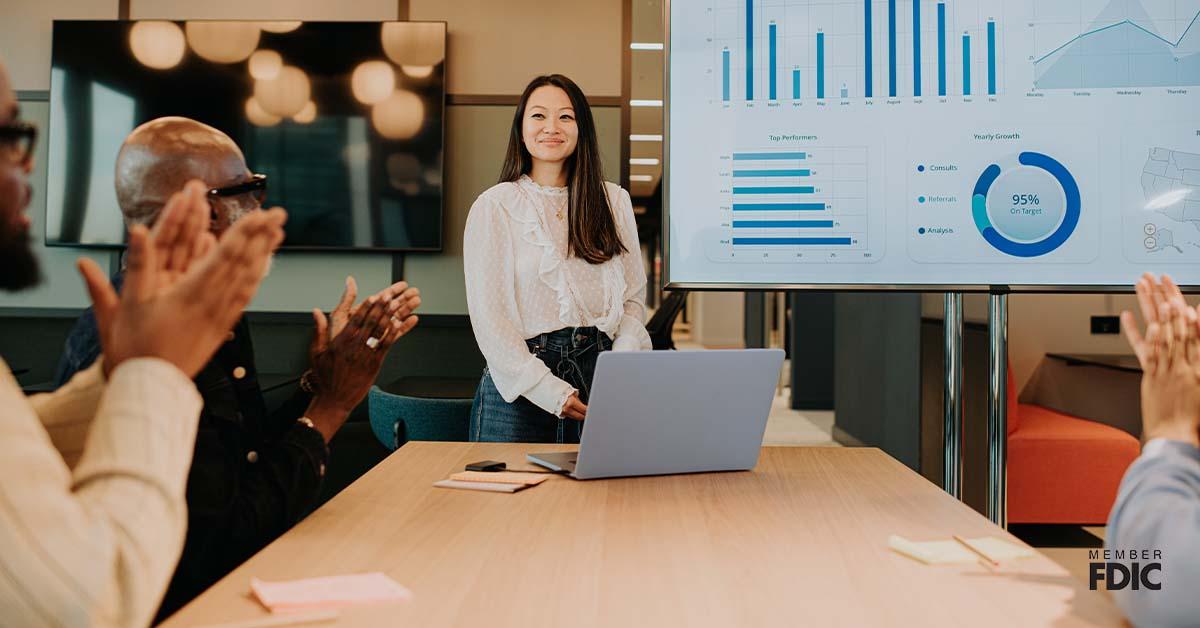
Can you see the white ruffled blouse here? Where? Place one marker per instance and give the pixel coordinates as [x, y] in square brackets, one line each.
[521, 283]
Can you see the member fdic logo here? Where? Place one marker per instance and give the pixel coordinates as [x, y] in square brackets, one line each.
[1125, 569]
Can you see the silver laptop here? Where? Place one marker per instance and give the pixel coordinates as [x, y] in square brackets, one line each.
[660, 412]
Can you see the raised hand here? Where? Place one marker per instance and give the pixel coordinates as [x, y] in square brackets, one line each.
[1169, 353]
[182, 293]
[348, 349]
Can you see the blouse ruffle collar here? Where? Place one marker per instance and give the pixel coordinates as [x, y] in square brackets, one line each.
[553, 270]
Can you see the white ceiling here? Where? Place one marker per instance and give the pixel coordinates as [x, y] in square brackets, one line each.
[646, 84]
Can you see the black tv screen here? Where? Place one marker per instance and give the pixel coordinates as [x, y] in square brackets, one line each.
[344, 118]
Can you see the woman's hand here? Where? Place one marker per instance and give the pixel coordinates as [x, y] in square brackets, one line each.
[574, 408]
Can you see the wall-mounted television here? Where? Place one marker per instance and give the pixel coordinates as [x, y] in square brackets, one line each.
[346, 119]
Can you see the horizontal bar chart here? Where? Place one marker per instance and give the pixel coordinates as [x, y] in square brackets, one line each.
[792, 241]
[791, 189]
[767, 156]
[778, 207]
[772, 173]
[783, 224]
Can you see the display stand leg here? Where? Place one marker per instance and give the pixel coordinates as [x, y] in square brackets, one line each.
[952, 406]
[997, 504]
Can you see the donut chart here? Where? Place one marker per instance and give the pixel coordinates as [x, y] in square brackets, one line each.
[1029, 208]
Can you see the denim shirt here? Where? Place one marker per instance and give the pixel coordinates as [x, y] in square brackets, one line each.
[253, 474]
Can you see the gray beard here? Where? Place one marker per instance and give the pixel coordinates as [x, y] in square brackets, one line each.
[239, 214]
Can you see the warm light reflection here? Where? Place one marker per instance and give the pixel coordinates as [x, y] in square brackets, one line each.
[414, 43]
[258, 116]
[280, 27]
[156, 44]
[307, 114]
[372, 82]
[223, 42]
[418, 71]
[265, 65]
[400, 116]
[286, 94]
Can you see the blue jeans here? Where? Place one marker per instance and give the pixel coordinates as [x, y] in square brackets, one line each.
[570, 354]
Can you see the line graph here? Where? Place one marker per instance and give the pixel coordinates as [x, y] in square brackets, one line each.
[1123, 54]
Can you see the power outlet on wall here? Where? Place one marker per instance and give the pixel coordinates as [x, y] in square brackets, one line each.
[1106, 325]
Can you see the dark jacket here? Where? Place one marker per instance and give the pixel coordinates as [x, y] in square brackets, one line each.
[254, 474]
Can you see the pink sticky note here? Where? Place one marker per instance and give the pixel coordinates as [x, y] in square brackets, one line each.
[328, 592]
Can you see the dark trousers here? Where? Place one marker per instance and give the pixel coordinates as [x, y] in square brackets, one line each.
[570, 354]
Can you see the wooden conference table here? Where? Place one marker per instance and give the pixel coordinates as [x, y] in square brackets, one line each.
[801, 540]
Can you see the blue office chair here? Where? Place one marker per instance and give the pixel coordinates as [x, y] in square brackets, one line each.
[397, 419]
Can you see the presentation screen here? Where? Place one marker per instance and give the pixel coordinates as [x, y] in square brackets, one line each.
[932, 143]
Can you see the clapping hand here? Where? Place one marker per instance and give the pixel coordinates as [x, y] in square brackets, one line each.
[348, 349]
[1169, 353]
[183, 290]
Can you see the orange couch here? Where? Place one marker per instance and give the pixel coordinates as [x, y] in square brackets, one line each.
[1061, 468]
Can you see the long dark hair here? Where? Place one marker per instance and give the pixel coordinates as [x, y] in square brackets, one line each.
[591, 228]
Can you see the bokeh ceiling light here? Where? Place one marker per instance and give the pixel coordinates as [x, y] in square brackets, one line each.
[307, 114]
[400, 116]
[265, 65]
[156, 44]
[372, 82]
[258, 116]
[280, 27]
[414, 43]
[417, 71]
[286, 94]
[223, 42]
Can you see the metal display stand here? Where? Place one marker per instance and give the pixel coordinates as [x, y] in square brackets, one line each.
[952, 403]
[997, 504]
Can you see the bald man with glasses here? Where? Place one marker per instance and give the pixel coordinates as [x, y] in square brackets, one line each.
[255, 473]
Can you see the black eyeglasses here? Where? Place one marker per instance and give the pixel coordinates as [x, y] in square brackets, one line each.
[17, 140]
[256, 186]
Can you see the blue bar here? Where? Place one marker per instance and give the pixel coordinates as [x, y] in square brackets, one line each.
[820, 65]
[779, 207]
[749, 49]
[869, 91]
[791, 189]
[892, 48]
[992, 58]
[772, 77]
[966, 65]
[917, 48]
[792, 241]
[783, 224]
[725, 75]
[941, 49]
[845, 92]
[772, 173]
[795, 84]
[757, 156]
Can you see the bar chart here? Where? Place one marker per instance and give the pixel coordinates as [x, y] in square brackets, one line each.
[796, 204]
[927, 142]
[809, 49]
